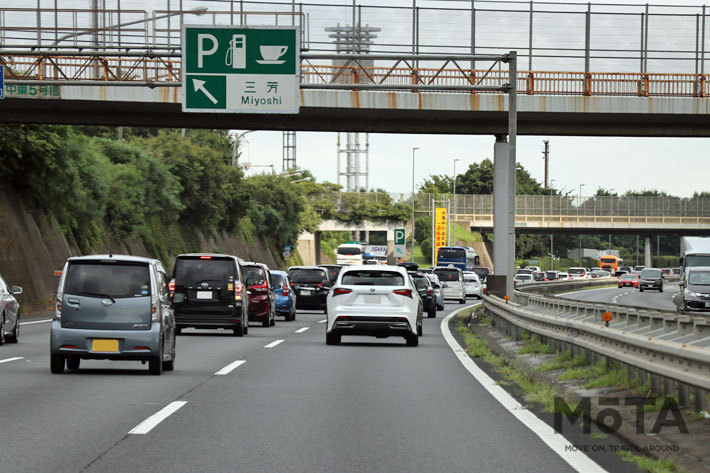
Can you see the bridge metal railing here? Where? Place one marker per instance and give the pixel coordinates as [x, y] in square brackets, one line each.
[672, 348]
[164, 69]
[633, 209]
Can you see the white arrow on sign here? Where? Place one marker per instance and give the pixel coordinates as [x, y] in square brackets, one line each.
[200, 85]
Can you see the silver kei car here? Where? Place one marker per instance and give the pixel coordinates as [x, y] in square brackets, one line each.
[113, 307]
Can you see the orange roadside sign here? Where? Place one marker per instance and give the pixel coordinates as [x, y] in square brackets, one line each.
[606, 316]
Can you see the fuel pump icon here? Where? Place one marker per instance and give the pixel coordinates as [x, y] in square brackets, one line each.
[237, 52]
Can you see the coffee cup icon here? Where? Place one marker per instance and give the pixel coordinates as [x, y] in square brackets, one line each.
[271, 54]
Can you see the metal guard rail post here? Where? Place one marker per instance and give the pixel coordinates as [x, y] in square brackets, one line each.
[667, 346]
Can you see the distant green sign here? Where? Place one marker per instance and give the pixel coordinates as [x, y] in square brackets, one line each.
[399, 236]
[240, 69]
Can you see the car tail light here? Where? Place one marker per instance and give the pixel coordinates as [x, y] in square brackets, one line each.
[319, 285]
[171, 287]
[154, 311]
[69, 346]
[403, 292]
[205, 257]
[238, 289]
[343, 318]
[429, 292]
[58, 309]
[341, 290]
[142, 348]
[284, 290]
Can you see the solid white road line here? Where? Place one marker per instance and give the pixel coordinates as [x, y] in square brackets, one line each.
[36, 322]
[230, 367]
[322, 321]
[576, 459]
[152, 421]
[274, 343]
[6, 360]
[301, 330]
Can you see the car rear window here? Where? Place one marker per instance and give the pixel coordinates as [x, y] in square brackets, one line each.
[701, 278]
[115, 279]
[333, 273]
[651, 273]
[576, 271]
[277, 279]
[420, 281]
[447, 274]
[349, 251]
[253, 272]
[194, 271]
[307, 276]
[628, 277]
[482, 272]
[372, 278]
[470, 277]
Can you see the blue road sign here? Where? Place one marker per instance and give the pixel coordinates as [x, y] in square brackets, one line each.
[2, 82]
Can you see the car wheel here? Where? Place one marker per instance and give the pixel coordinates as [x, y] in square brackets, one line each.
[2, 330]
[412, 340]
[178, 330]
[56, 363]
[73, 362]
[273, 319]
[293, 314]
[15, 335]
[640, 289]
[239, 330]
[325, 311]
[332, 339]
[432, 313]
[660, 290]
[155, 363]
[266, 322]
[170, 364]
[462, 301]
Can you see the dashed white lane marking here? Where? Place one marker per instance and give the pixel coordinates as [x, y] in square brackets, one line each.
[230, 367]
[322, 321]
[274, 343]
[301, 330]
[36, 322]
[7, 360]
[152, 421]
[558, 443]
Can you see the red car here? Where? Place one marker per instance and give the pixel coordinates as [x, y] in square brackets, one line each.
[262, 307]
[629, 280]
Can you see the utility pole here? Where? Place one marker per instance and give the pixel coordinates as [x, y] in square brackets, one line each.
[546, 157]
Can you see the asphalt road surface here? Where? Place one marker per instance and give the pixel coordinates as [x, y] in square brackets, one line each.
[629, 296]
[296, 405]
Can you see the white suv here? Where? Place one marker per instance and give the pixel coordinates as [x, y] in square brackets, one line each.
[378, 301]
[577, 273]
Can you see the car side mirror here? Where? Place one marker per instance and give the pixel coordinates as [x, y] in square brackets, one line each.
[16, 290]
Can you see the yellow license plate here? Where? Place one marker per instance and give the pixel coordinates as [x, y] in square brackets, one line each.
[104, 345]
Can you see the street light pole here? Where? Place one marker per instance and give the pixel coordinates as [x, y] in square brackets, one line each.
[579, 204]
[234, 146]
[452, 233]
[552, 252]
[612, 215]
[412, 236]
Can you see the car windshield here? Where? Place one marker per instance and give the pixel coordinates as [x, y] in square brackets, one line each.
[576, 271]
[628, 277]
[447, 274]
[420, 281]
[523, 277]
[349, 250]
[482, 272]
[651, 273]
[108, 279]
[308, 276]
[700, 278]
[193, 271]
[277, 280]
[551, 274]
[255, 273]
[372, 278]
[452, 253]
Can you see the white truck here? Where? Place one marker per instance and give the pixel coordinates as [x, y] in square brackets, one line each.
[694, 251]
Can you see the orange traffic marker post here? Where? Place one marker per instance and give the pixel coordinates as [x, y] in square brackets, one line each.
[606, 317]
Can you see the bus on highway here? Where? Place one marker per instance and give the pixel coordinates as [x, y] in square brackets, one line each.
[464, 258]
[610, 262]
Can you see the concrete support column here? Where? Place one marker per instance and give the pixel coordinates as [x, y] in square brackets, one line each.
[630, 372]
[655, 384]
[668, 387]
[504, 212]
[683, 395]
[317, 247]
[701, 400]
[647, 252]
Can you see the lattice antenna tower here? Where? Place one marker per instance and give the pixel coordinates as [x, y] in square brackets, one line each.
[289, 150]
[353, 40]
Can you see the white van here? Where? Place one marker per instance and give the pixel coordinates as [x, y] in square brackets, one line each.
[349, 253]
[452, 283]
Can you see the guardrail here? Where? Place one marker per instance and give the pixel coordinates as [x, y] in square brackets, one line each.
[669, 347]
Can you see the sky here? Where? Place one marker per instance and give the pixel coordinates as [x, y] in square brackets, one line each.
[677, 166]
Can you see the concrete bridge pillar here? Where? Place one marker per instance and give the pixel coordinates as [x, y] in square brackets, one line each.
[647, 252]
[504, 211]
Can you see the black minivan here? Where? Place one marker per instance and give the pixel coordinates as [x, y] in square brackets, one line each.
[209, 293]
[311, 285]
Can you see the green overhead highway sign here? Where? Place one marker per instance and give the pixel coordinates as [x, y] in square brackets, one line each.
[240, 69]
